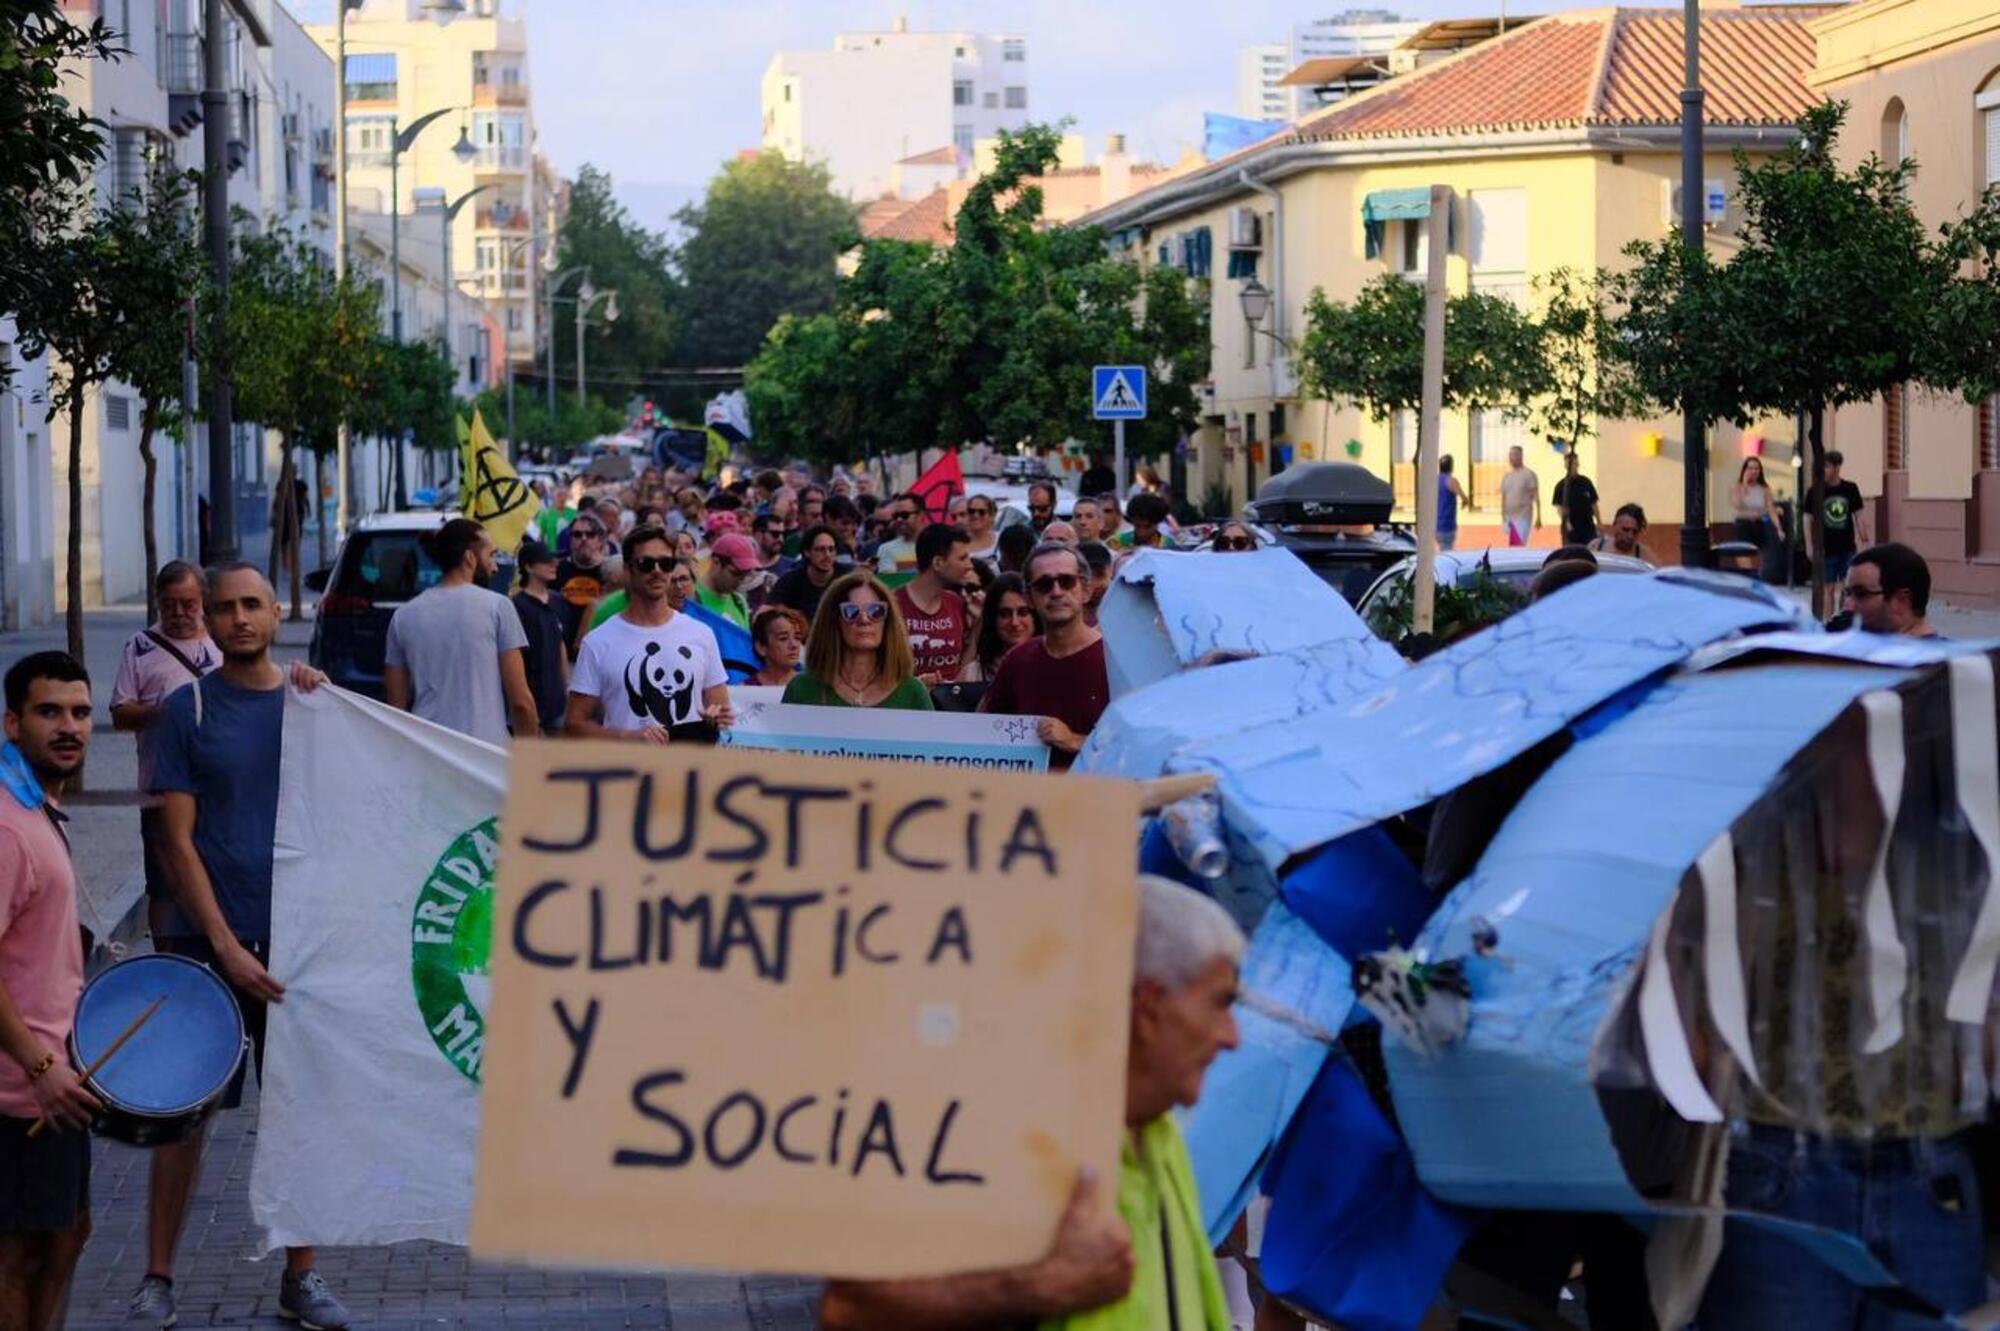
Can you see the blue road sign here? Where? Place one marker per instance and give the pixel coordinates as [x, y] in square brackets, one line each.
[1118, 392]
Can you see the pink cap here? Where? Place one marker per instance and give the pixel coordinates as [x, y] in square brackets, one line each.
[738, 551]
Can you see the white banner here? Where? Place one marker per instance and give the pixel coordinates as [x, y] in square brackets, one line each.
[948, 739]
[381, 909]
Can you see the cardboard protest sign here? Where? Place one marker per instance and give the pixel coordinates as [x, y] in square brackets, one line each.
[773, 1012]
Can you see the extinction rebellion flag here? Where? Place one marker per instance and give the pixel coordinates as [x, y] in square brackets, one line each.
[381, 910]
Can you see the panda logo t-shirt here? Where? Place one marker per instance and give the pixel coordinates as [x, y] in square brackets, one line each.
[647, 676]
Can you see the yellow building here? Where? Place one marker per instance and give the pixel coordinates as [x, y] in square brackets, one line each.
[408, 58]
[1923, 81]
[1560, 141]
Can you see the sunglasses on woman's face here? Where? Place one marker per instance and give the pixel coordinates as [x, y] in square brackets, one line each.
[1050, 582]
[653, 563]
[854, 611]
[1235, 543]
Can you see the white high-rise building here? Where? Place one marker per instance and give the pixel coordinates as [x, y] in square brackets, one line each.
[1260, 70]
[879, 98]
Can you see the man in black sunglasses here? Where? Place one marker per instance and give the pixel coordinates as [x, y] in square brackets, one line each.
[649, 674]
[1060, 676]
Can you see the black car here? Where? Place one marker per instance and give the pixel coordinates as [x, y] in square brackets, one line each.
[1335, 517]
[380, 566]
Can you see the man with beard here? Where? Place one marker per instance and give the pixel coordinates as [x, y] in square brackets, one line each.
[801, 588]
[1060, 676]
[581, 578]
[650, 674]
[216, 770]
[45, 1178]
[454, 655]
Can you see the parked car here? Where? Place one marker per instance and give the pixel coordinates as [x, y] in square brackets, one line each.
[1511, 568]
[1335, 517]
[378, 567]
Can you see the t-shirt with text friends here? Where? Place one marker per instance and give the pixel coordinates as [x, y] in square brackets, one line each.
[937, 639]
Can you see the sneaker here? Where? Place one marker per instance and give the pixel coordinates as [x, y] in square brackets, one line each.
[308, 1300]
[152, 1306]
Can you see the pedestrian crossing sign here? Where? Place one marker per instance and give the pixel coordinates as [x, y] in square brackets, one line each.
[1118, 392]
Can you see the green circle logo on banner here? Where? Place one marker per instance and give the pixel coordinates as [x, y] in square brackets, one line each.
[451, 938]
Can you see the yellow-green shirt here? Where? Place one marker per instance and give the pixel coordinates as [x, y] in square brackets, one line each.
[1159, 1204]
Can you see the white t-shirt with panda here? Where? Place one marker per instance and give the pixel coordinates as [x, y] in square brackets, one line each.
[646, 675]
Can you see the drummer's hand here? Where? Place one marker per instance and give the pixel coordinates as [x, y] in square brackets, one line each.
[248, 974]
[63, 1099]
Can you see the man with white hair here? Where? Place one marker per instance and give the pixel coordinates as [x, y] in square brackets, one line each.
[1149, 1266]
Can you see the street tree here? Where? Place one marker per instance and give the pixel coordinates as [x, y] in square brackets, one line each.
[407, 398]
[1588, 382]
[1830, 299]
[168, 280]
[598, 233]
[761, 244]
[1369, 353]
[50, 147]
[302, 345]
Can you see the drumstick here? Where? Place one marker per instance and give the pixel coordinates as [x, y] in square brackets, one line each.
[35, 1129]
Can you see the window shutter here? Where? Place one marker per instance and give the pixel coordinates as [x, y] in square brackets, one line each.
[1993, 146]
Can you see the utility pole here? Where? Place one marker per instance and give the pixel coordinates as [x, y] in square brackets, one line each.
[215, 209]
[1430, 416]
[1694, 526]
[343, 455]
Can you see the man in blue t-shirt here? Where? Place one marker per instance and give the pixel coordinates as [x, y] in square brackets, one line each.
[218, 742]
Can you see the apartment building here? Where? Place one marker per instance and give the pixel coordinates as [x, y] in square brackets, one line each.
[1358, 42]
[1922, 81]
[880, 99]
[1560, 145]
[463, 64]
[281, 165]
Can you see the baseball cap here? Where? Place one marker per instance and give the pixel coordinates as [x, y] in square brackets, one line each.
[534, 552]
[738, 551]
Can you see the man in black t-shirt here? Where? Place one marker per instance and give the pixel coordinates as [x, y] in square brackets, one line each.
[541, 619]
[1576, 500]
[581, 579]
[1838, 503]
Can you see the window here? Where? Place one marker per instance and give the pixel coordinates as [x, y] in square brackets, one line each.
[1895, 132]
[1402, 436]
[1197, 251]
[479, 71]
[1014, 49]
[371, 78]
[1499, 224]
[1989, 434]
[1493, 434]
[510, 76]
[117, 412]
[513, 318]
[1895, 433]
[486, 255]
[1988, 103]
[961, 139]
[961, 92]
[990, 100]
[788, 92]
[1413, 248]
[1017, 99]
[958, 53]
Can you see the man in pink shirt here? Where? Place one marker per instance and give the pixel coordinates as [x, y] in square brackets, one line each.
[44, 1179]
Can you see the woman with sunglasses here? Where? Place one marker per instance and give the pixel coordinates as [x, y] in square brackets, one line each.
[1008, 622]
[858, 654]
[980, 512]
[1232, 537]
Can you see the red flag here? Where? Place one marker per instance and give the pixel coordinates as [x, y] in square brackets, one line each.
[936, 488]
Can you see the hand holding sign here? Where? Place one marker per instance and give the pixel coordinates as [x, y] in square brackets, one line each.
[792, 1014]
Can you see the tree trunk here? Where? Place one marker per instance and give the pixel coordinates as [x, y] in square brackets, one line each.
[149, 422]
[319, 503]
[286, 532]
[1816, 435]
[73, 579]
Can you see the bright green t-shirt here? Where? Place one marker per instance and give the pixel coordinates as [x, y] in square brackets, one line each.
[731, 606]
[550, 523]
[909, 696]
[1159, 1204]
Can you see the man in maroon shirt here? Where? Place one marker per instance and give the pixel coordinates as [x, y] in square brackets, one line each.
[1060, 676]
[931, 606]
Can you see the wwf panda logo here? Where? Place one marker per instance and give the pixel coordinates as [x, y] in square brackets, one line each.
[663, 690]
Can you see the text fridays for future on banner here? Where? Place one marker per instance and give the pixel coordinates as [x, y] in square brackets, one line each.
[925, 940]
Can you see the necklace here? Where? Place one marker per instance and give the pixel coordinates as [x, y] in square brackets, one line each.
[856, 692]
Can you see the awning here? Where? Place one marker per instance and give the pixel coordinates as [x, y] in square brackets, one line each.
[371, 68]
[1394, 205]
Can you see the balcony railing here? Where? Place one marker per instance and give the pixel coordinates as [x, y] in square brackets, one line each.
[501, 158]
[500, 94]
[502, 217]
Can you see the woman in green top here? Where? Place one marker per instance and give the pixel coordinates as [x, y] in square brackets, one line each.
[858, 654]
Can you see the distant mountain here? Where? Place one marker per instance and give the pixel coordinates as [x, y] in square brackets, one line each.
[654, 202]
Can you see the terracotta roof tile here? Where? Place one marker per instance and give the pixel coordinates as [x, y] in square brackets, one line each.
[1596, 67]
[927, 221]
[945, 156]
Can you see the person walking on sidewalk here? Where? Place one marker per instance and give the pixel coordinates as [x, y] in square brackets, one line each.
[160, 659]
[454, 655]
[216, 770]
[1520, 499]
[44, 1179]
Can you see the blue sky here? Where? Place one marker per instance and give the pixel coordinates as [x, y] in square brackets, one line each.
[662, 92]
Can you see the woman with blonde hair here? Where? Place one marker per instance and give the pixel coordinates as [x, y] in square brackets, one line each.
[858, 653]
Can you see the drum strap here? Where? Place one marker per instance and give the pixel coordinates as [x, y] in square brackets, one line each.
[166, 644]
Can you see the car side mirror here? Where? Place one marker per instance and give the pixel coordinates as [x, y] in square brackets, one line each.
[317, 579]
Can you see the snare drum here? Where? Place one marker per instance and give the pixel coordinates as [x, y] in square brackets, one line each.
[172, 1073]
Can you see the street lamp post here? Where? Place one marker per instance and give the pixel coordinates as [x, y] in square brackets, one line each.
[450, 214]
[1694, 525]
[343, 456]
[587, 296]
[514, 249]
[549, 322]
[215, 209]
[399, 143]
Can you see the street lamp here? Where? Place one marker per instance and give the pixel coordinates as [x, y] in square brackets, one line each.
[399, 143]
[587, 296]
[1694, 201]
[450, 215]
[555, 284]
[513, 249]
[1256, 298]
